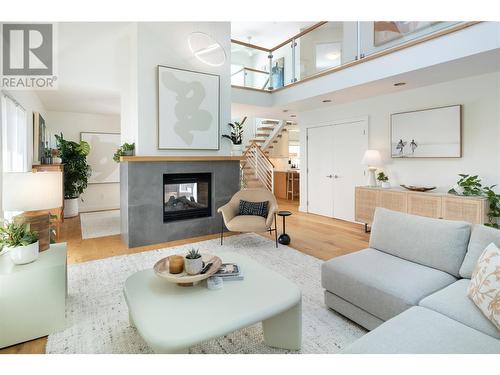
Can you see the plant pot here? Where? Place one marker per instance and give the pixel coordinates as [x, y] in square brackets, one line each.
[56, 160]
[193, 266]
[128, 153]
[386, 184]
[70, 207]
[236, 150]
[24, 254]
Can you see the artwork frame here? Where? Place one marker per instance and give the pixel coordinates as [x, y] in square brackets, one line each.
[439, 127]
[110, 143]
[39, 137]
[380, 39]
[201, 117]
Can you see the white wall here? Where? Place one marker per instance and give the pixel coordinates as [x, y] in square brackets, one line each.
[166, 43]
[97, 196]
[480, 98]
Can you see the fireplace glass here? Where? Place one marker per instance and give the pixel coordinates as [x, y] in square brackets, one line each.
[186, 196]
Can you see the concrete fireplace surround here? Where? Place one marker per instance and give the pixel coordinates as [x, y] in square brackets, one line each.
[141, 197]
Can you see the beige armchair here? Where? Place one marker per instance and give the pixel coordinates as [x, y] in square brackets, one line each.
[249, 223]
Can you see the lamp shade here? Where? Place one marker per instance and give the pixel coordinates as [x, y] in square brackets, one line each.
[32, 191]
[372, 158]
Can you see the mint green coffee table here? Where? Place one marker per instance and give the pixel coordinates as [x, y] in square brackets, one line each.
[172, 318]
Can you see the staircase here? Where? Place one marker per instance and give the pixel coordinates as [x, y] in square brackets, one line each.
[256, 169]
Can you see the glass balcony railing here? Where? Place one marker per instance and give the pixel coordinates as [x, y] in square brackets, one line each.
[324, 47]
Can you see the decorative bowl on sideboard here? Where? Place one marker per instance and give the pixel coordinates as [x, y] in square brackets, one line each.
[418, 188]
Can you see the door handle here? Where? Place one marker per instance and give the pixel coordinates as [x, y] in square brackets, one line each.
[329, 176]
[336, 176]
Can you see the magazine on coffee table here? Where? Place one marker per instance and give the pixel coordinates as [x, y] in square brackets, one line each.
[229, 271]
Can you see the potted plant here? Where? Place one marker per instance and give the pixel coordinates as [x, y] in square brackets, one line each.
[19, 241]
[126, 149]
[76, 172]
[47, 156]
[193, 263]
[56, 156]
[471, 185]
[236, 136]
[383, 179]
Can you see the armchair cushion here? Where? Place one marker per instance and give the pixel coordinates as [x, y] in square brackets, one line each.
[254, 208]
[247, 223]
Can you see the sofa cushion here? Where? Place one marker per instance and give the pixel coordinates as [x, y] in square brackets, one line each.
[423, 331]
[379, 283]
[435, 243]
[481, 237]
[484, 288]
[453, 302]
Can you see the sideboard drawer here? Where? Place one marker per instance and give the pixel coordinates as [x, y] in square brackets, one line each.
[472, 210]
[425, 205]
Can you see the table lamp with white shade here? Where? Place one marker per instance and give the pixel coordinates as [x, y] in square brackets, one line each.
[373, 160]
[33, 194]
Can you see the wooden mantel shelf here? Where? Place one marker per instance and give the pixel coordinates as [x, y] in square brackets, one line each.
[137, 159]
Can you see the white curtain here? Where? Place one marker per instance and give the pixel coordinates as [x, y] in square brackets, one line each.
[14, 137]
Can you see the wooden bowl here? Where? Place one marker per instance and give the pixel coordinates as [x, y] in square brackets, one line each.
[418, 188]
[183, 279]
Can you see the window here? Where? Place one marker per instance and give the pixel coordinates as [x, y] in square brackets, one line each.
[14, 136]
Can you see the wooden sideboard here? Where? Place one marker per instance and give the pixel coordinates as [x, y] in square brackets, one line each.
[429, 204]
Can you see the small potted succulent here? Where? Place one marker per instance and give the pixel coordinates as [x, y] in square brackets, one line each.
[20, 241]
[384, 180]
[193, 264]
[126, 149]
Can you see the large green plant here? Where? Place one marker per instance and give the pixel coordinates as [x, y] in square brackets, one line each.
[471, 185]
[76, 169]
[14, 234]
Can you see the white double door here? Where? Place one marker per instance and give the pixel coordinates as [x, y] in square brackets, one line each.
[334, 154]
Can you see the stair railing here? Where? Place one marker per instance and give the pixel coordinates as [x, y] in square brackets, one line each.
[274, 134]
[260, 166]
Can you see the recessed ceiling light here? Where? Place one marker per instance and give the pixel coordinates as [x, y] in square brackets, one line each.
[327, 101]
[400, 84]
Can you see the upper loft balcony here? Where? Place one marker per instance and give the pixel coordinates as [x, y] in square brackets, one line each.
[326, 57]
[321, 48]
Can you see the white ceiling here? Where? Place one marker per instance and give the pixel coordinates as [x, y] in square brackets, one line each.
[266, 34]
[81, 100]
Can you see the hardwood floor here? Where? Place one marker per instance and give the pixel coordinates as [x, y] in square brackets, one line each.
[315, 235]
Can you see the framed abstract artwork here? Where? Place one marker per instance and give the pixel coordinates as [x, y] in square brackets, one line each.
[427, 133]
[188, 110]
[100, 158]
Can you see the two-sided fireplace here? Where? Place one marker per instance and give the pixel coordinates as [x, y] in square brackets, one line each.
[186, 196]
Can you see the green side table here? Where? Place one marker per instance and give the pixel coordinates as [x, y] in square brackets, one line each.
[33, 296]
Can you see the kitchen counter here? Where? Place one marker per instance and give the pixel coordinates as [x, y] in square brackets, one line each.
[286, 184]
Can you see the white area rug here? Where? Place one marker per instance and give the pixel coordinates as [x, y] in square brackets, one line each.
[97, 315]
[100, 224]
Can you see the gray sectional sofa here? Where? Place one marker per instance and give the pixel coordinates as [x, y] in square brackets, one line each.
[410, 287]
